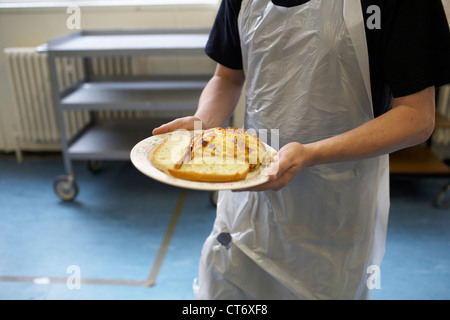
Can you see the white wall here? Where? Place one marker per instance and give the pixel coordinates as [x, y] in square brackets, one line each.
[32, 27]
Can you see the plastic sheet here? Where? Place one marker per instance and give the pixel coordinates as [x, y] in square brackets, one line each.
[307, 75]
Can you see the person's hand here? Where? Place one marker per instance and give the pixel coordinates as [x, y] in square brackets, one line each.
[290, 160]
[186, 123]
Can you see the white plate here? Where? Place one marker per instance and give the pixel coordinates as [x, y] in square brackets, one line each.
[142, 153]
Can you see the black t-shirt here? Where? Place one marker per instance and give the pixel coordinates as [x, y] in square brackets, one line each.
[408, 51]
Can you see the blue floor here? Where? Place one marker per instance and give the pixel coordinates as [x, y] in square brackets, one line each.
[112, 233]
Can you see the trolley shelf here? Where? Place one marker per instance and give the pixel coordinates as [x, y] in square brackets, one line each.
[111, 139]
[128, 42]
[149, 95]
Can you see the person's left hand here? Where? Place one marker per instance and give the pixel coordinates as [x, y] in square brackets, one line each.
[290, 160]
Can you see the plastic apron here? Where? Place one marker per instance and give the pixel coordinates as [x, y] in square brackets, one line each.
[307, 74]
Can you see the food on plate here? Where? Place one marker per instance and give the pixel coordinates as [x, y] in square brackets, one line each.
[216, 155]
[170, 154]
[212, 172]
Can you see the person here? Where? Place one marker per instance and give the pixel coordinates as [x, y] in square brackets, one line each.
[345, 83]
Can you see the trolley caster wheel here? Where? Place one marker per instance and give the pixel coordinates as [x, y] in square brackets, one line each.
[214, 195]
[66, 188]
[442, 199]
[94, 166]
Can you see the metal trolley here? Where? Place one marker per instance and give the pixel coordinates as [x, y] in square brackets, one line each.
[102, 139]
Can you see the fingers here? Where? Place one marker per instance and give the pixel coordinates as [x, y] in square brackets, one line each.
[187, 123]
[274, 168]
[167, 127]
[286, 165]
[278, 179]
[275, 175]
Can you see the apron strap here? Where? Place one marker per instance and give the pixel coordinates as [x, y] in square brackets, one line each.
[354, 19]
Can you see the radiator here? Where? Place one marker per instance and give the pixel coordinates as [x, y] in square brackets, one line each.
[34, 123]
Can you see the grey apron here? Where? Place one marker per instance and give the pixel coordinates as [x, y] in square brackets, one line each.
[307, 74]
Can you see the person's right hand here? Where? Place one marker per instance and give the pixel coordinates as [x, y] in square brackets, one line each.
[186, 123]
